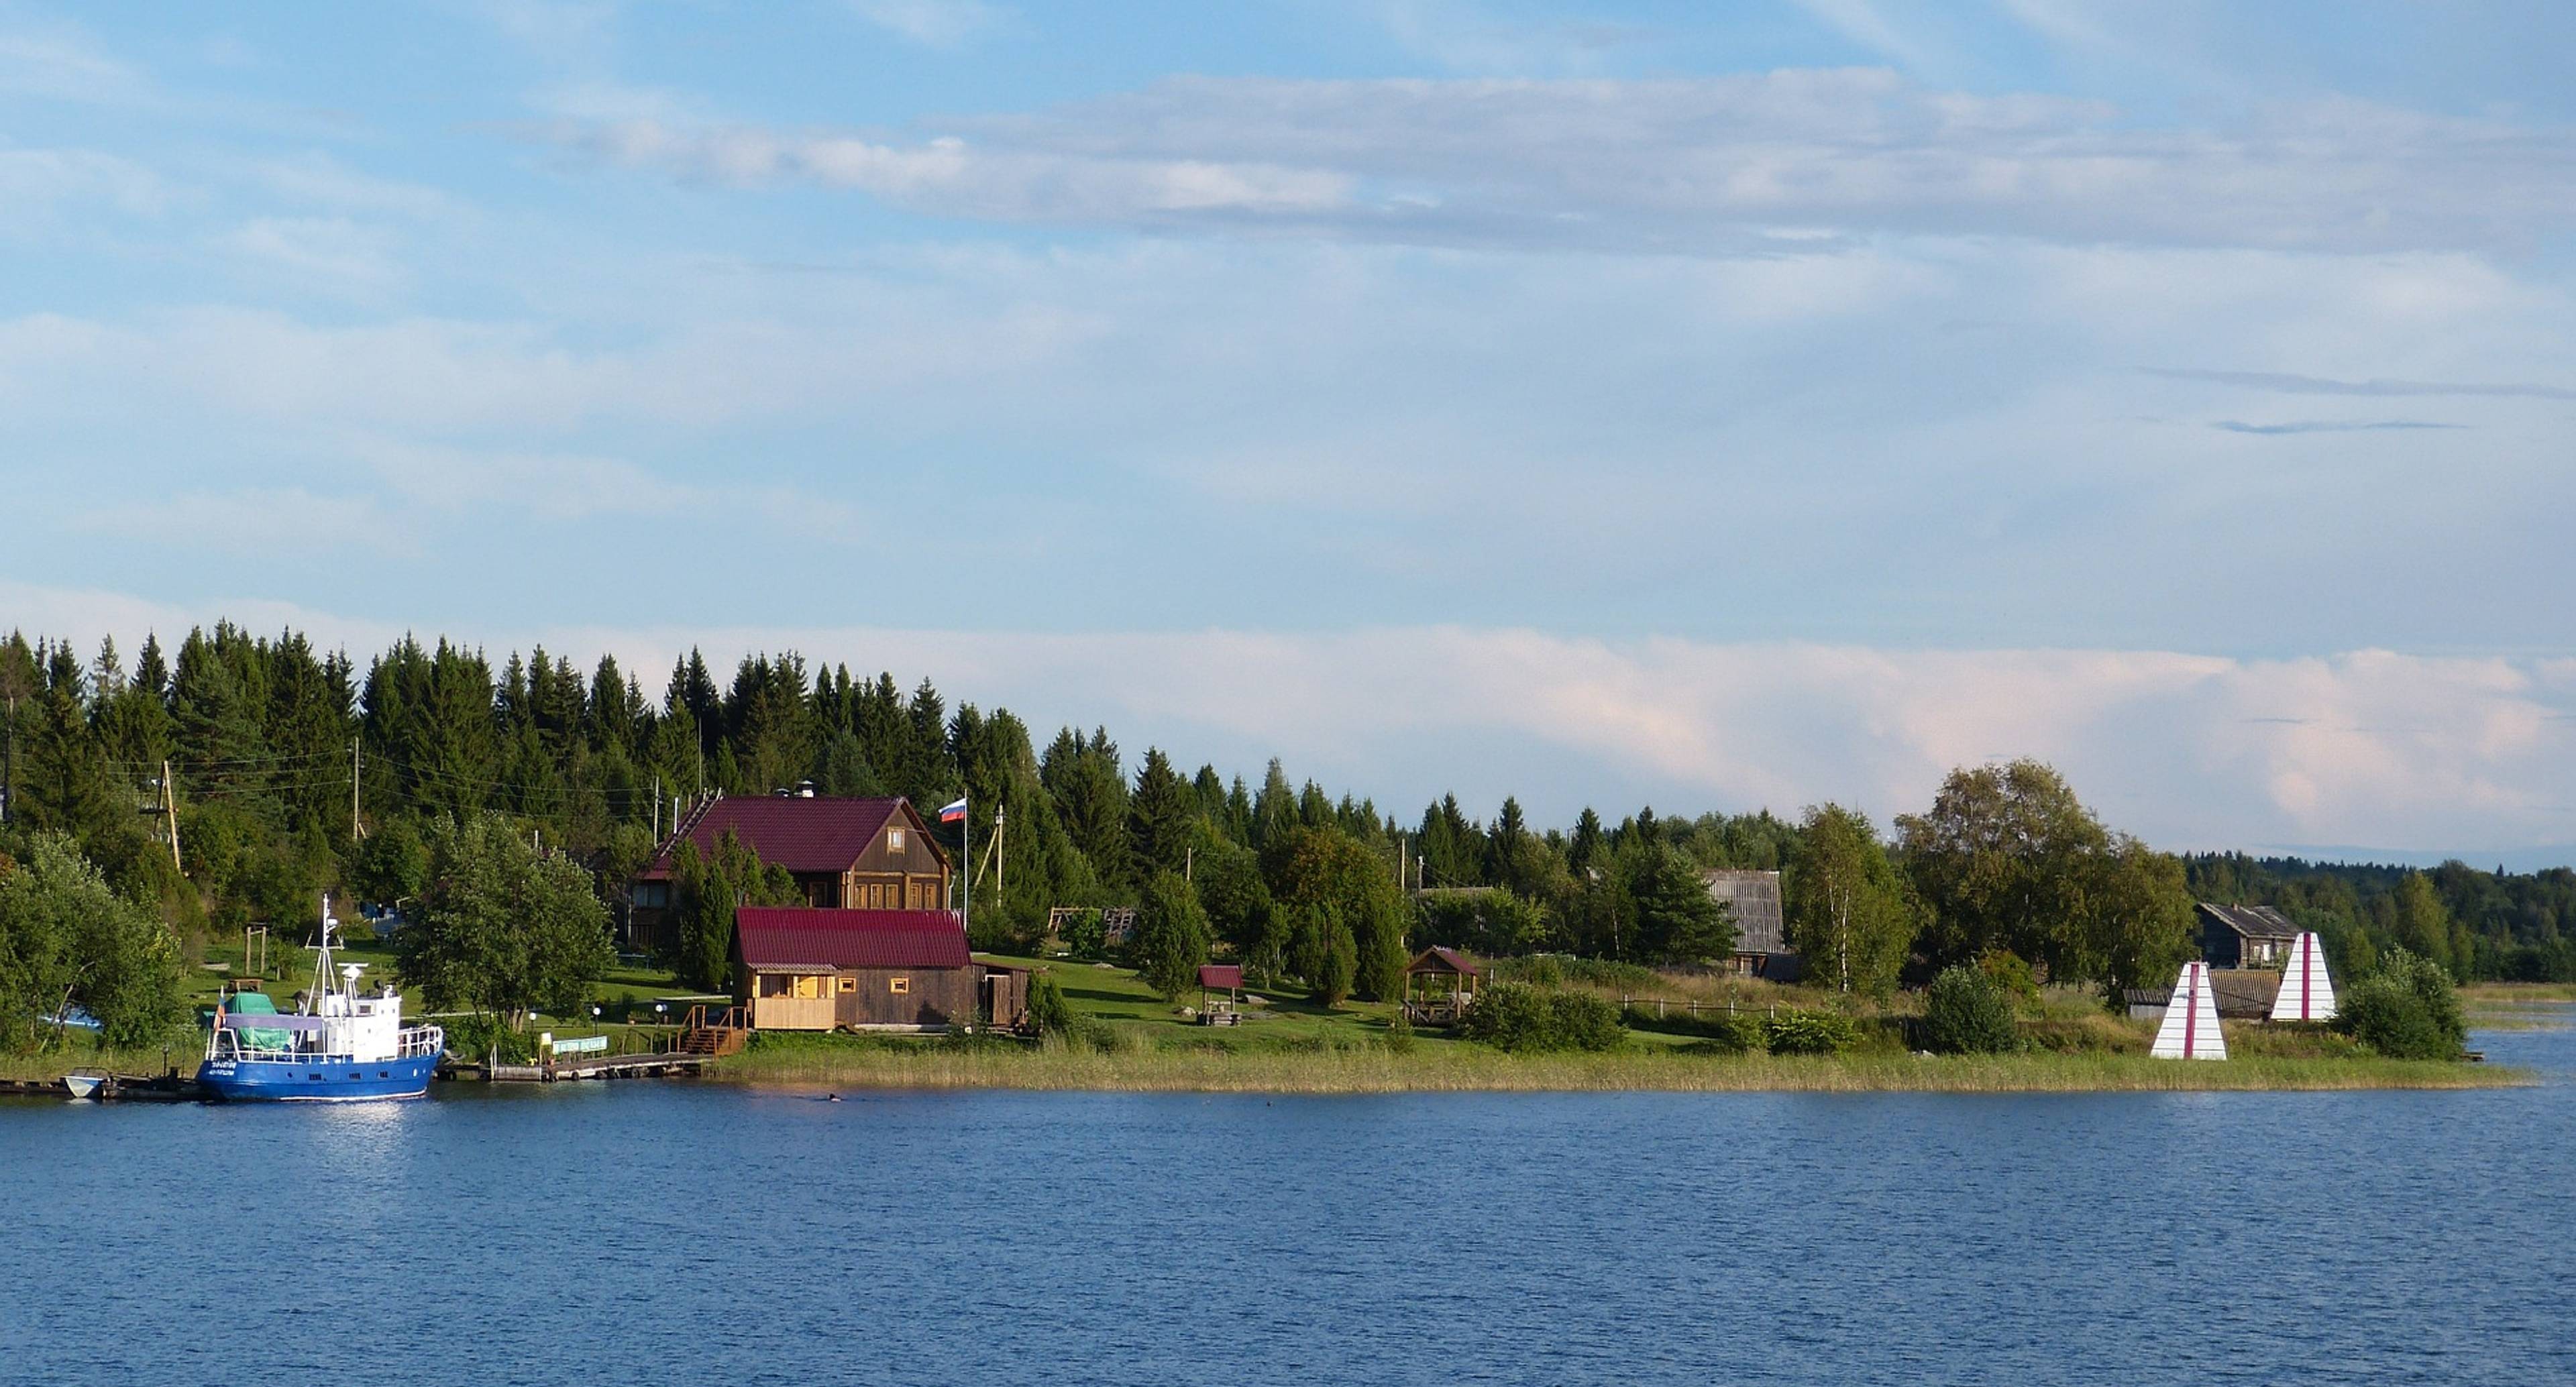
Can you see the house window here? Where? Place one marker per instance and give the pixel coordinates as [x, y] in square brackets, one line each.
[849, 985]
[899, 985]
[894, 842]
[652, 895]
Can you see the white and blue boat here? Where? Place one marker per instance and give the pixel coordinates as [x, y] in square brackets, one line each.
[343, 1046]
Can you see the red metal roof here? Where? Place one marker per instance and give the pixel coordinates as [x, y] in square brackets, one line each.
[1439, 960]
[820, 834]
[791, 937]
[1216, 975]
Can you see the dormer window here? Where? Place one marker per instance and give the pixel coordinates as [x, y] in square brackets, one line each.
[894, 842]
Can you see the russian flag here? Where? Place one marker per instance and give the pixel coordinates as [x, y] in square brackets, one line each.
[955, 813]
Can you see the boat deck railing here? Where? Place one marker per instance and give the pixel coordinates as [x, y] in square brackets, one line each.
[415, 1043]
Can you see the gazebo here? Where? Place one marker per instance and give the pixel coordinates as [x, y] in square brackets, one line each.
[1215, 979]
[1439, 986]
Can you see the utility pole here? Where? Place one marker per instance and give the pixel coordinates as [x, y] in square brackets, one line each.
[657, 807]
[170, 815]
[997, 855]
[1189, 862]
[356, 830]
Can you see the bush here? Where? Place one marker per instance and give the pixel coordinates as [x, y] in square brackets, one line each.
[1810, 1033]
[2407, 1010]
[477, 1038]
[1399, 1034]
[1966, 1012]
[1048, 1010]
[1517, 1017]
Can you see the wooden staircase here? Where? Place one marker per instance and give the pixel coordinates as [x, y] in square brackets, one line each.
[722, 1032]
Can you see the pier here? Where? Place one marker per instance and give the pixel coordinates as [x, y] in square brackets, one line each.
[664, 1065]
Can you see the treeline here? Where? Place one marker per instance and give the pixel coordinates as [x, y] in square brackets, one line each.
[263, 738]
[2508, 926]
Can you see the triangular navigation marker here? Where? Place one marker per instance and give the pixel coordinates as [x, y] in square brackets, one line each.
[2307, 994]
[2190, 1031]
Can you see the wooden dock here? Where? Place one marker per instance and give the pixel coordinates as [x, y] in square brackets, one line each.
[167, 1088]
[578, 1067]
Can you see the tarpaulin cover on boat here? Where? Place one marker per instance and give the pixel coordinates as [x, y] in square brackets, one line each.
[236, 1021]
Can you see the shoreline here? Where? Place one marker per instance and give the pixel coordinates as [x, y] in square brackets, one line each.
[1360, 1071]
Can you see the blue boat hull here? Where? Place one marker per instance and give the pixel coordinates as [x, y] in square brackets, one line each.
[316, 1081]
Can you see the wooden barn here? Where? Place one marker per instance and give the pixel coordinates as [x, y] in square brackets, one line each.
[846, 854]
[2245, 936]
[1761, 927]
[867, 970]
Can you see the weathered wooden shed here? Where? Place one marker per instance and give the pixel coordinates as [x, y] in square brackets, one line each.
[1761, 926]
[2245, 936]
[867, 970]
[2240, 994]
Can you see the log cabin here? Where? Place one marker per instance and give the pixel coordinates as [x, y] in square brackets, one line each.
[846, 854]
[867, 970]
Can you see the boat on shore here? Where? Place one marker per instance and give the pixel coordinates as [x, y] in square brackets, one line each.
[85, 1083]
[344, 1045]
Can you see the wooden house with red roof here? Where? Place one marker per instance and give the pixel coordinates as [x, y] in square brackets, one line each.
[867, 970]
[846, 854]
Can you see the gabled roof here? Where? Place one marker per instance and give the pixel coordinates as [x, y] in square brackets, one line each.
[1439, 960]
[1755, 897]
[1213, 976]
[818, 834]
[775, 937]
[2252, 921]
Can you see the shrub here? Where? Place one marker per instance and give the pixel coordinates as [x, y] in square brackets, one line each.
[1518, 1017]
[2407, 1010]
[1966, 1012]
[1399, 1034]
[1810, 1033]
[1048, 1010]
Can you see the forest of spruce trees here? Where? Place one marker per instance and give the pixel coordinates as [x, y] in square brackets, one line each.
[293, 770]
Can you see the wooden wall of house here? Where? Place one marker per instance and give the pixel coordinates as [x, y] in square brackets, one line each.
[935, 997]
[913, 879]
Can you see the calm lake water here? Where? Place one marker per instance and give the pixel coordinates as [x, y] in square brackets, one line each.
[676, 1233]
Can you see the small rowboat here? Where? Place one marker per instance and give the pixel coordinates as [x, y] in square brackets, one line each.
[84, 1083]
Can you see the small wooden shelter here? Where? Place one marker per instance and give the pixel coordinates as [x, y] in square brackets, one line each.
[1220, 993]
[1439, 986]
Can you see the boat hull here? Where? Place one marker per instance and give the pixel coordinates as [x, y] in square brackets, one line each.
[316, 1080]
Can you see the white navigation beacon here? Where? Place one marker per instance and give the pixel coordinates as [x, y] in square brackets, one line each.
[2306, 994]
[2190, 1031]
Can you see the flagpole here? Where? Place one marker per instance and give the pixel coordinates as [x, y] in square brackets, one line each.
[966, 854]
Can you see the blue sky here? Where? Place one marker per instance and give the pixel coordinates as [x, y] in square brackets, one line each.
[1722, 406]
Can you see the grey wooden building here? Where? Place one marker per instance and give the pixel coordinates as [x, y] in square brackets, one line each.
[2245, 936]
[1761, 929]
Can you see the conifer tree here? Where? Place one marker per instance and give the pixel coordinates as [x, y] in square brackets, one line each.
[1160, 816]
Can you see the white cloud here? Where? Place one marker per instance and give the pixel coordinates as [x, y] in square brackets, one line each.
[63, 66]
[37, 182]
[249, 521]
[936, 23]
[1726, 164]
[332, 253]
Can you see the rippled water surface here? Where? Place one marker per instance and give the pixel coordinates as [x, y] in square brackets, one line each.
[678, 1233]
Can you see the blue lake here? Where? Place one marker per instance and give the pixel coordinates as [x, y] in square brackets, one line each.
[680, 1233]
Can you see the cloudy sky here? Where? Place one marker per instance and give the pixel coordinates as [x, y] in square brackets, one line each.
[1712, 406]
